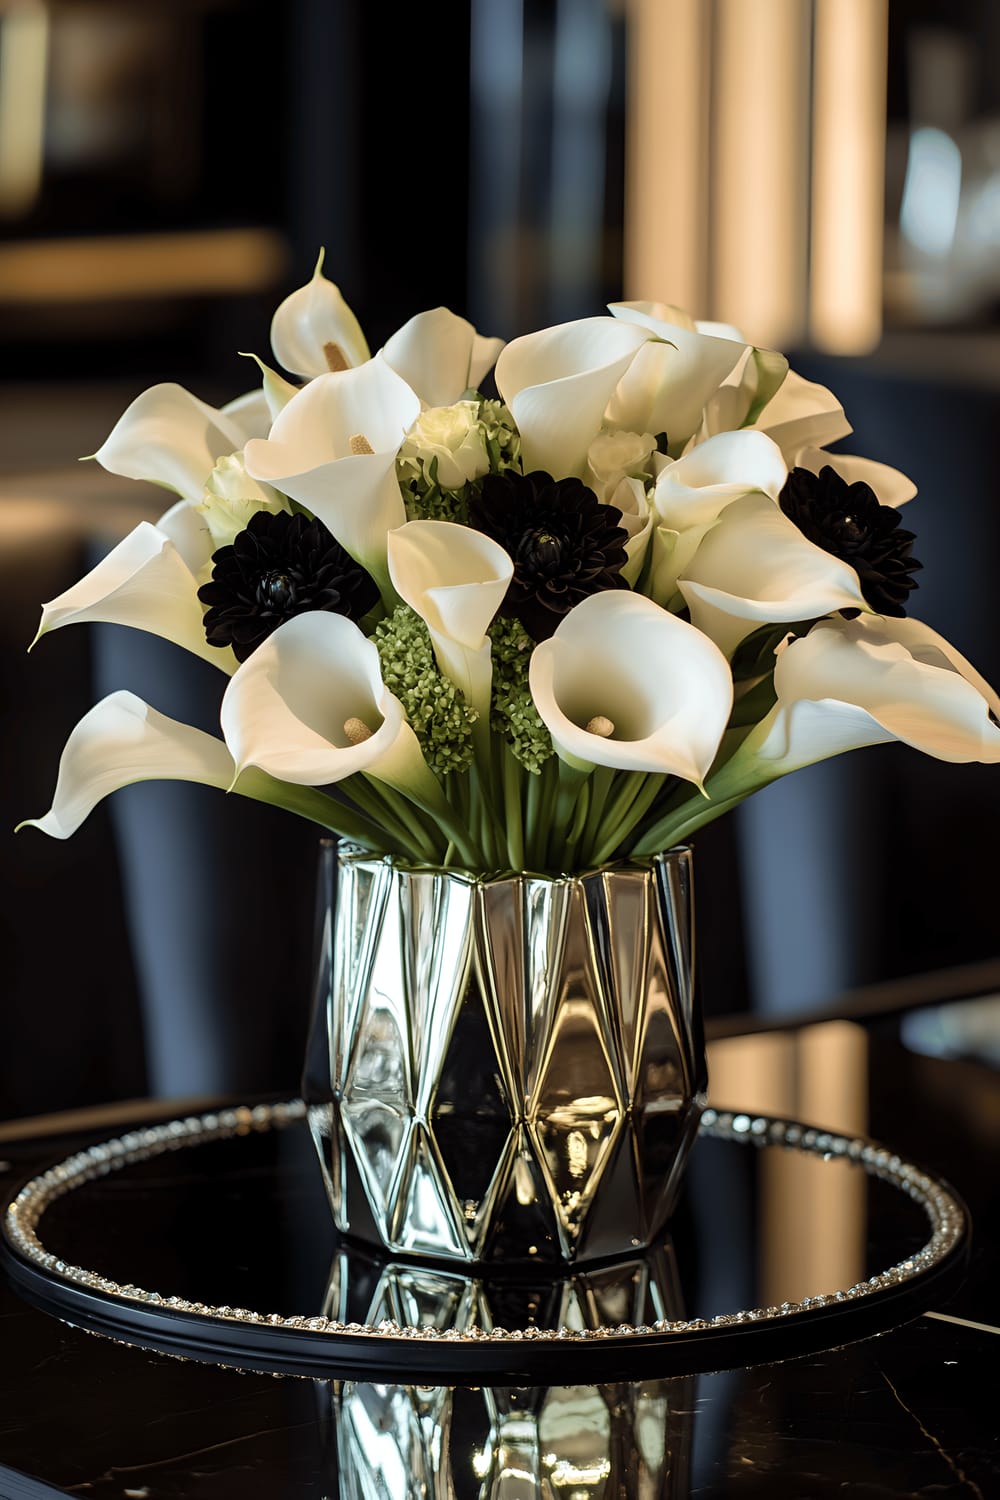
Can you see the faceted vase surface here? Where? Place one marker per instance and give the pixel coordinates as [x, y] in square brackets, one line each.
[504, 1071]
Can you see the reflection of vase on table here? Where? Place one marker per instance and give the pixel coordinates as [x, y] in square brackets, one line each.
[409, 1442]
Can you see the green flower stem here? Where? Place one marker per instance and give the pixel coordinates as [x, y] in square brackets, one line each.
[339, 817]
[636, 808]
[601, 785]
[725, 789]
[406, 814]
[569, 788]
[513, 778]
[532, 808]
[580, 819]
[625, 788]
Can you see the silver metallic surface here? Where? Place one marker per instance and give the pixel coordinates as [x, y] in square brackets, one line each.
[515, 1067]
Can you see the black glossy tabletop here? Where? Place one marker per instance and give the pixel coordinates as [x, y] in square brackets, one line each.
[908, 1411]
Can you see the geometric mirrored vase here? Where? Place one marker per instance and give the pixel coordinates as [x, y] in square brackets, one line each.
[508, 1071]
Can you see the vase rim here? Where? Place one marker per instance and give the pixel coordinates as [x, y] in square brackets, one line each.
[346, 851]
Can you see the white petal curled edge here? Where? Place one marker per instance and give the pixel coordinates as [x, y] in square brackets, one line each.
[120, 741]
[890, 486]
[665, 687]
[143, 582]
[440, 355]
[314, 331]
[850, 683]
[803, 415]
[455, 578]
[697, 488]
[312, 454]
[291, 708]
[669, 383]
[558, 382]
[169, 437]
[756, 567]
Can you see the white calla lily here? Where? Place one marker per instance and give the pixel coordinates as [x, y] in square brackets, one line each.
[629, 497]
[557, 384]
[440, 356]
[455, 578]
[122, 740]
[314, 331]
[144, 582]
[251, 412]
[275, 390]
[755, 567]
[333, 448]
[890, 486]
[850, 683]
[692, 493]
[697, 488]
[803, 415]
[668, 384]
[310, 707]
[169, 437]
[618, 659]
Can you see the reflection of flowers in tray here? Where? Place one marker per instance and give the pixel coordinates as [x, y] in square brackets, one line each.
[534, 633]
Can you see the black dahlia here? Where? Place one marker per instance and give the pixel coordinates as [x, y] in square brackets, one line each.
[281, 565]
[847, 520]
[564, 544]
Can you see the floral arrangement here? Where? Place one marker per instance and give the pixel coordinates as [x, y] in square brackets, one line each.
[540, 630]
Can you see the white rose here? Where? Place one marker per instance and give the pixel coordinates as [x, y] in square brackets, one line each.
[231, 497]
[614, 456]
[454, 436]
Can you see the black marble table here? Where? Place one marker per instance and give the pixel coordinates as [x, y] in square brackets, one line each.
[909, 1410]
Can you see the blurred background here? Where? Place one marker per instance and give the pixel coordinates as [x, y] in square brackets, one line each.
[823, 173]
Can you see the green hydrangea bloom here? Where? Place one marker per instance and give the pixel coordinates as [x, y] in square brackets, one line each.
[438, 713]
[427, 499]
[513, 712]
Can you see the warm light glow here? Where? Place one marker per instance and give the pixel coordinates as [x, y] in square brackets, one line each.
[24, 47]
[666, 183]
[812, 1228]
[760, 112]
[148, 265]
[848, 173]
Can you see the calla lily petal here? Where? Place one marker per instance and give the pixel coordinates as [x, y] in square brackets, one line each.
[890, 486]
[455, 578]
[296, 706]
[333, 448]
[314, 331]
[666, 387]
[188, 530]
[557, 384]
[276, 391]
[251, 412]
[755, 567]
[143, 582]
[169, 437]
[858, 682]
[698, 487]
[803, 415]
[120, 741]
[663, 685]
[440, 356]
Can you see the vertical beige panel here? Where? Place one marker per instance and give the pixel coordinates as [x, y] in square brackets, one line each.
[760, 201]
[848, 197]
[24, 43]
[666, 183]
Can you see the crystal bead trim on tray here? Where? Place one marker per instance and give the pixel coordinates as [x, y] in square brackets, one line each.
[945, 1216]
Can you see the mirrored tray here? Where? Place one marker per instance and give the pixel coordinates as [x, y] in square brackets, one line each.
[210, 1237]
